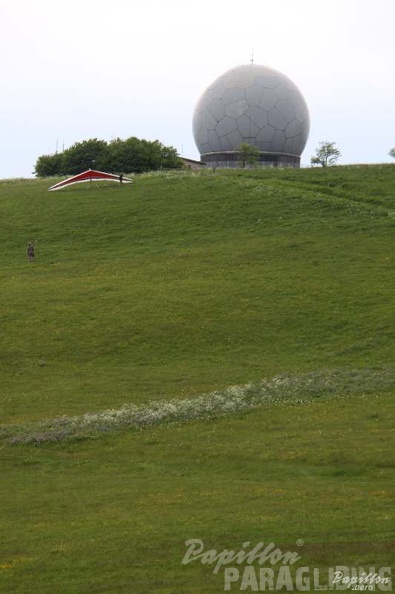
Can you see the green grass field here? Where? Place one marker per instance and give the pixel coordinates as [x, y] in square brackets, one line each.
[168, 292]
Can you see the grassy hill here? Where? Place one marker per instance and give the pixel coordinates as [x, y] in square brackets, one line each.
[180, 285]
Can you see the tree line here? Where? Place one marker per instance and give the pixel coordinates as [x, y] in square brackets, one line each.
[132, 155]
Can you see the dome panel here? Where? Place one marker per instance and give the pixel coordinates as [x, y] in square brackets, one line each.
[266, 134]
[208, 121]
[225, 126]
[236, 109]
[246, 79]
[286, 109]
[217, 92]
[225, 143]
[264, 146]
[277, 120]
[293, 129]
[258, 116]
[205, 100]
[267, 80]
[298, 143]
[296, 97]
[301, 113]
[212, 141]
[217, 109]
[233, 95]
[254, 94]
[206, 148]
[230, 79]
[304, 135]
[269, 99]
[196, 124]
[202, 135]
[278, 142]
[247, 128]
[235, 139]
[282, 91]
[240, 78]
[289, 144]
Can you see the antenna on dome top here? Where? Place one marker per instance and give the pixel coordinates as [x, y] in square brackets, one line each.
[252, 58]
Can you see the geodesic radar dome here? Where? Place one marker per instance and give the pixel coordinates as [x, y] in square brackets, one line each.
[256, 105]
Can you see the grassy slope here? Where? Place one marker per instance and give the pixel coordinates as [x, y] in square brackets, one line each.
[178, 285]
[172, 287]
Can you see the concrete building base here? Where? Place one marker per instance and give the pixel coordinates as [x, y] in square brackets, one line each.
[232, 160]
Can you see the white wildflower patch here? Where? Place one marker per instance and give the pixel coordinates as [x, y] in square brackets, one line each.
[280, 390]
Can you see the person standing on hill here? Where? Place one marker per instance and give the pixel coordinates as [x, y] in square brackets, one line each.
[30, 251]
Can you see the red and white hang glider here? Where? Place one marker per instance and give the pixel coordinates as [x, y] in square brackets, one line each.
[91, 175]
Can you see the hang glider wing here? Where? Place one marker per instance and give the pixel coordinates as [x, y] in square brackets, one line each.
[90, 175]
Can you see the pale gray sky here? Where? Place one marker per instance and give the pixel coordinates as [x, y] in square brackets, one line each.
[98, 69]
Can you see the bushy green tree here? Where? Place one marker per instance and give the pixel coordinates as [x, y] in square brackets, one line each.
[170, 158]
[48, 165]
[119, 155]
[83, 155]
[248, 154]
[326, 154]
[132, 155]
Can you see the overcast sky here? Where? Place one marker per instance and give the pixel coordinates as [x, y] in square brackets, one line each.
[84, 69]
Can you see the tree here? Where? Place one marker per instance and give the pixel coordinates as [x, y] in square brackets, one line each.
[170, 158]
[326, 154]
[48, 165]
[249, 154]
[392, 153]
[130, 156]
[83, 155]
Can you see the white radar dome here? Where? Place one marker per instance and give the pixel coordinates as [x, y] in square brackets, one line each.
[256, 105]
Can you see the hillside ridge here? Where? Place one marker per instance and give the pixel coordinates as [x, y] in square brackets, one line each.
[184, 283]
